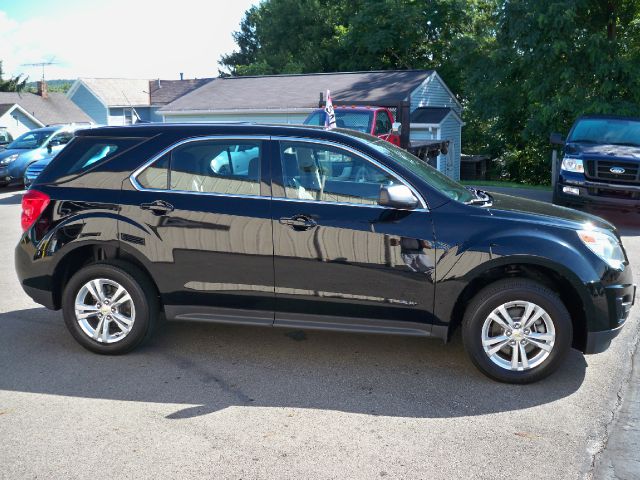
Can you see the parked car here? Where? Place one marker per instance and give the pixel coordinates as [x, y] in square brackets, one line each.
[600, 163]
[5, 138]
[35, 145]
[130, 222]
[33, 170]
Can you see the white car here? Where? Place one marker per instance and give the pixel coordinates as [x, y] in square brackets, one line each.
[235, 160]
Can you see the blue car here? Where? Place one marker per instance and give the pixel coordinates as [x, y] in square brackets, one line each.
[33, 146]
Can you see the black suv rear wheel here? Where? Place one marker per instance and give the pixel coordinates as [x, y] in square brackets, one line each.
[110, 309]
[517, 331]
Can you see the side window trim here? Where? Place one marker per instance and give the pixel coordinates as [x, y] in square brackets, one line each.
[133, 178]
[351, 151]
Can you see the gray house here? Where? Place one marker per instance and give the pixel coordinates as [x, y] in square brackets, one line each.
[436, 113]
[123, 101]
[21, 112]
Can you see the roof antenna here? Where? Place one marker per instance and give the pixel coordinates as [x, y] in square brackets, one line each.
[133, 110]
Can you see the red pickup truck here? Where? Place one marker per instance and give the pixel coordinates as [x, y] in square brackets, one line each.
[377, 121]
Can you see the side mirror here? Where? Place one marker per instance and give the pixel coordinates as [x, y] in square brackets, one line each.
[49, 147]
[556, 139]
[397, 196]
[396, 128]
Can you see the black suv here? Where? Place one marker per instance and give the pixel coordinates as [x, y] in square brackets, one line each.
[600, 163]
[302, 227]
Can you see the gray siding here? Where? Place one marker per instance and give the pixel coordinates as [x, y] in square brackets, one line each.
[17, 123]
[90, 105]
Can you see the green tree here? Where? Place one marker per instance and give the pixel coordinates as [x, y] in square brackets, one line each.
[549, 62]
[13, 84]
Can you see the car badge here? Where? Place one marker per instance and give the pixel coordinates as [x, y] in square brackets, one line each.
[617, 170]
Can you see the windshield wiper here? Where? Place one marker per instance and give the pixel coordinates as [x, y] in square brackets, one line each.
[625, 144]
[481, 197]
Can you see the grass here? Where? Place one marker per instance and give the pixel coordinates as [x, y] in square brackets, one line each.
[501, 183]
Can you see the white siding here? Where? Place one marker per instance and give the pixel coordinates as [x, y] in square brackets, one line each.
[17, 123]
[276, 117]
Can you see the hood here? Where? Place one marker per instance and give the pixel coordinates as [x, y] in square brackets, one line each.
[603, 150]
[7, 153]
[544, 212]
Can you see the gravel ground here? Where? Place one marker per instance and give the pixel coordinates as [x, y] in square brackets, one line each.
[208, 401]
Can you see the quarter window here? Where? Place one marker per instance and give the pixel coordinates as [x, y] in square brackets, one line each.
[207, 167]
[328, 174]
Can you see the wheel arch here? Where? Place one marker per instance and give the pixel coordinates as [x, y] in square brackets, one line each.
[555, 277]
[86, 254]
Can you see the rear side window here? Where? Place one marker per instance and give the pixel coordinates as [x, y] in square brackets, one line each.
[83, 153]
[207, 167]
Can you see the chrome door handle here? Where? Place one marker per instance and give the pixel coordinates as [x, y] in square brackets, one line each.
[158, 207]
[299, 222]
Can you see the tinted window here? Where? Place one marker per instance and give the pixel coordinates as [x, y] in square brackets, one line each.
[156, 176]
[83, 153]
[317, 172]
[30, 140]
[207, 167]
[383, 124]
[62, 138]
[612, 131]
[359, 120]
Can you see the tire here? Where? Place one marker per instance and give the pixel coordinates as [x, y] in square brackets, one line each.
[547, 342]
[141, 310]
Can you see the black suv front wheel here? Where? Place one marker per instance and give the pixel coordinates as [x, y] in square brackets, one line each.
[517, 331]
[110, 309]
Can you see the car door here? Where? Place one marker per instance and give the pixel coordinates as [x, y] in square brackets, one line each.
[342, 261]
[203, 232]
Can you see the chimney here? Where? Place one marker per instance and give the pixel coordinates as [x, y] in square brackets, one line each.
[42, 89]
[181, 76]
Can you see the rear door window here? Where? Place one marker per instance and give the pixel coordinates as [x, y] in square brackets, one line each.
[211, 166]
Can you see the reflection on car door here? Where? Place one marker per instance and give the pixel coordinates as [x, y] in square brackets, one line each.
[207, 234]
[340, 259]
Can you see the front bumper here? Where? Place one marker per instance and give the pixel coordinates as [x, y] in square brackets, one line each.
[598, 342]
[596, 193]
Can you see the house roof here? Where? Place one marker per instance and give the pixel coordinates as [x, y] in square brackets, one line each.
[433, 115]
[57, 108]
[299, 91]
[119, 92]
[166, 91]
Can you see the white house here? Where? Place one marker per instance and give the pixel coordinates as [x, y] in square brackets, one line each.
[24, 111]
[436, 113]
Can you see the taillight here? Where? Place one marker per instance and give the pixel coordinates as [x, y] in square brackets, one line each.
[33, 204]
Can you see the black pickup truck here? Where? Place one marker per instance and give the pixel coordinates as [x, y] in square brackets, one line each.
[600, 163]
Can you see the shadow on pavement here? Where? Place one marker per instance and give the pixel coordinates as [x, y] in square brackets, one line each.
[209, 367]
[14, 199]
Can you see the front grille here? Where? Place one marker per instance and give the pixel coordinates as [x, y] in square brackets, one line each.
[601, 170]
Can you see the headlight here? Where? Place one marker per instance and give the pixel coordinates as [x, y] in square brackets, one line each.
[604, 245]
[572, 165]
[9, 159]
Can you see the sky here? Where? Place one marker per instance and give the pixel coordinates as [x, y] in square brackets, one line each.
[118, 38]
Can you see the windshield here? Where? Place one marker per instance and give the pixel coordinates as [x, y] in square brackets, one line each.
[610, 131]
[421, 169]
[358, 120]
[30, 140]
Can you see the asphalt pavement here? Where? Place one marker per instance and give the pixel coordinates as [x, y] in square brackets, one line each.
[230, 402]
